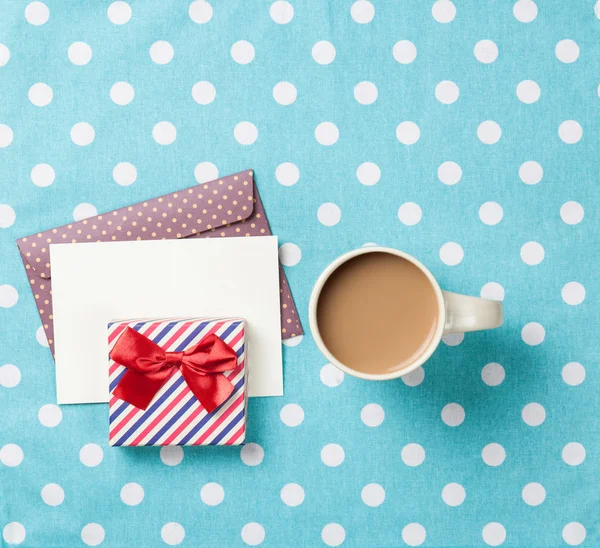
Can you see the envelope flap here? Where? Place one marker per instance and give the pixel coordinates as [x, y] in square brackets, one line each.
[191, 211]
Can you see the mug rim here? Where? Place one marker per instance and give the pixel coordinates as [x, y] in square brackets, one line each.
[316, 292]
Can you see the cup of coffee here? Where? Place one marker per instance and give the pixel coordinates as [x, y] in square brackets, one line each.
[377, 313]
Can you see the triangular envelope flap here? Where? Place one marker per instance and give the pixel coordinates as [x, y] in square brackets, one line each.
[194, 210]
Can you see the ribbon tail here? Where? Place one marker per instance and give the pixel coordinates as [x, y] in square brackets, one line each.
[211, 390]
[139, 389]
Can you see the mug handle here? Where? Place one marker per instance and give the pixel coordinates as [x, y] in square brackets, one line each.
[464, 313]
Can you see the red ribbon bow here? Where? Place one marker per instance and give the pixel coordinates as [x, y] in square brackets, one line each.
[149, 367]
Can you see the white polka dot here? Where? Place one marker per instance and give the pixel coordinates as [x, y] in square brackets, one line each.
[122, 93]
[333, 534]
[91, 455]
[6, 136]
[493, 454]
[414, 534]
[489, 132]
[573, 293]
[40, 336]
[84, 211]
[453, 414]
[132, 494]
[171, 455]
[119, 13]
[92, 534]
[291, 414]
[449, 173]
[491, 213]
[287, 174]
[573, 453]
[451, 253]
[10, 375]
[40, 94]
[532, 253]
[37, 13]
[571, 213]
[573, 374]
[4, 55]
[447, 92]
[365, 93]
[533, 333]
[290, 254]
[205, 172]
[414, 378]
[242, 52]
[42, 175]
[284, 93]
[323, 52]
[281, 12]
[362, 11]
[368, 173]
[413, 454]
[245, 133]
[567, 51]
[82, 134]
[327, 133]
[570, 132]
[292, 494]
[533, 494]
[14, 532]
[292, 341]
[486, 51]
[329, 214]
[409, 213]
[172, 533]
[408, 133]
[212, 494]
[372, 414]
[252, 454]
[525, 11]
[332, 454]
[493, 534]
[11, 455]
[124, 174]
[373, 494]
[443, 11]
[53, 494]
[164, 133]
[493, 374]
[531, 172]
[573, 533]
[330, 375]
[453, 339]
[528, 91]
[253, 533]
[405, 52]
[79, 53]
[161, 52]
[493, 291]
[50, 415]
[200, 12]
[204, 93]
[453, 494]
[533, 414]
[8, 296]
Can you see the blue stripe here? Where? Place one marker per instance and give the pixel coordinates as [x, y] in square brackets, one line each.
[227, 332]
[165, 330]
[240, 351]
[138, 326]
[229, 427]
[122, 408]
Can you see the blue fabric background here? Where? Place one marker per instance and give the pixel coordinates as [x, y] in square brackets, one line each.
[368, 214]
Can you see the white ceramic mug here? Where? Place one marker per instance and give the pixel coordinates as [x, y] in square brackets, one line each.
[457, 313]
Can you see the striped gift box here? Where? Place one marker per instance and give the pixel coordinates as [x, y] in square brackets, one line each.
[175, 416]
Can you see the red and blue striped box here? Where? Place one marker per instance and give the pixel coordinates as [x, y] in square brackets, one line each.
[175, 416]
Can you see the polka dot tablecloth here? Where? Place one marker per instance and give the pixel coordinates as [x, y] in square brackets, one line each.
[463, 132]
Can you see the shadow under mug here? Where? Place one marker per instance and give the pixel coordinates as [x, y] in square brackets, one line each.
[456, 313]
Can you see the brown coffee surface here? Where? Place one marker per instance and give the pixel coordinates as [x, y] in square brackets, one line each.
[377, 313]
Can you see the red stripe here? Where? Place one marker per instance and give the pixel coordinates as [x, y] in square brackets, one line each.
[235, 437]
[220, 420]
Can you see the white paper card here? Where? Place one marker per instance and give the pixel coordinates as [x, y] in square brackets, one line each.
[96, 283]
